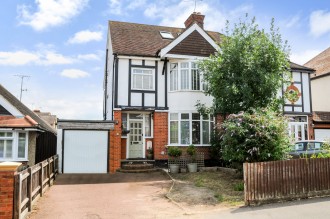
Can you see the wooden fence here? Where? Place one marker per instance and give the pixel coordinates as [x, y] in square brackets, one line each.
[288, 179]
[31, 183]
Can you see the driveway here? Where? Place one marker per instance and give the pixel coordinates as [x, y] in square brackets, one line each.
[121, 195]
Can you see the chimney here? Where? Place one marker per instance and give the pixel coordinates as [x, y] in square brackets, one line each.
[197, 18]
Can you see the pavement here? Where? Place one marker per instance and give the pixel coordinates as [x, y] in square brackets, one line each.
[142, 195]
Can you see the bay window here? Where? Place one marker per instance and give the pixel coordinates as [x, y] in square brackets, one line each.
[190, 128]
[185, 76]
[13, 145]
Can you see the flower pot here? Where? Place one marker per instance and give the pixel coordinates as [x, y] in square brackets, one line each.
[149, 156]
[192, 167]
[174, 168]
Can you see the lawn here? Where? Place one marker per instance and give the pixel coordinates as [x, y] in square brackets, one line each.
[210, 188]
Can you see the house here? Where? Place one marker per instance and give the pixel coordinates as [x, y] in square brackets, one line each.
[48, 117]
[152, 84]
[320, 81]
[24, 136]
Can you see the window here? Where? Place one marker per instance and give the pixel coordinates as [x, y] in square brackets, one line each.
[185, 76]
[145, 118]
[13, 145]
[142, 79]
[166, 35]
[190, 128]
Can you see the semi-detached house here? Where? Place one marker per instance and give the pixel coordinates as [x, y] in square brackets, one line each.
[152, 84]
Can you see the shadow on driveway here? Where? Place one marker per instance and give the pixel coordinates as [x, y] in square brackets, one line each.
[72, 179]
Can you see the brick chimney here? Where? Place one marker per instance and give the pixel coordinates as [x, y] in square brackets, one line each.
[197, 18]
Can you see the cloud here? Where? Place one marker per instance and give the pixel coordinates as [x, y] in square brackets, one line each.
[50, 13]
[121, 7]
[292, 21]
[74, 73]
[319, 22]
[304, 56]
[86, 36]
[176, 14]
[90, 56]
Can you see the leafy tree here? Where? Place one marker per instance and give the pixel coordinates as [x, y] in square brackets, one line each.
[248, 70]
[256, 137]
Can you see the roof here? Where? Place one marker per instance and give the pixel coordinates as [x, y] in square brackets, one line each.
[144, 40]
[321, 63]
[25, 110]
[321, 116]
[295, 66]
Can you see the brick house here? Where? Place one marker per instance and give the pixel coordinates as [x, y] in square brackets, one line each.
[24, 136]
[320, 81]
[152, 84]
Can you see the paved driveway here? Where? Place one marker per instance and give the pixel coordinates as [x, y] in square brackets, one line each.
[121, 195]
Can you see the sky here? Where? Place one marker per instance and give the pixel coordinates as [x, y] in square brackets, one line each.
[60, 44]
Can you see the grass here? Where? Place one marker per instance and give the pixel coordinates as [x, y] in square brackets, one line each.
[227, 187]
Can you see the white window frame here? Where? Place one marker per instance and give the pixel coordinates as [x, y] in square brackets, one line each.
[201, 120]
[190, 75]
[15, 137]
[143, 74]
[302, 126]
[143, 118]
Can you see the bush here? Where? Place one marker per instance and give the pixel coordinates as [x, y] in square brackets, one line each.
[252, 137]
[174, 152]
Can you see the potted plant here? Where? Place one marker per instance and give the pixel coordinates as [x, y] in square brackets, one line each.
[150, 154]
[174, 152]
[192, 166]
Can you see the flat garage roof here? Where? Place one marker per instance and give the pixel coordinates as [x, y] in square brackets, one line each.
[86, 124]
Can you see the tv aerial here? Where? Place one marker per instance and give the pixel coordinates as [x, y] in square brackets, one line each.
[22, 82]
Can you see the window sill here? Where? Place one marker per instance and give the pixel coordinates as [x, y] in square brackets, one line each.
[186, 145]
[180, 91]
[14, 160]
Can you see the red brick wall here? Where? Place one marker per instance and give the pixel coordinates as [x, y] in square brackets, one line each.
[6, 194]
[115, 144]
[310, 127]
[160, 135]
[123, 148]
[199, 149]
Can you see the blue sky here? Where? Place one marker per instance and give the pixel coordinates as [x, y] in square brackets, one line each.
[61, 44]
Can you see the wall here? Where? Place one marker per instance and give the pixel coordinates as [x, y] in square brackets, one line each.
[320, 93]
[115, 144]
[160, 135]
[32, 148]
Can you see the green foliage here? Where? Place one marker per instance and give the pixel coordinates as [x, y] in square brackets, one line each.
[259, 136]
[174, 152]
[239, 186]
[191, 150]
[248, 70]
[325, 151]
[219, 197]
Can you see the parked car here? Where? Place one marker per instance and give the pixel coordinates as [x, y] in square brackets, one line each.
[306, 148]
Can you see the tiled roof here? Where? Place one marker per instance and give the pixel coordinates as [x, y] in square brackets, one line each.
[25, 110]
[12, 122]
[144, 40]
[295, 66]
[320, 116]
[321, 63]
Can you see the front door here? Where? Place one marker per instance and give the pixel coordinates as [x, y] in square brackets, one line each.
[136, 140]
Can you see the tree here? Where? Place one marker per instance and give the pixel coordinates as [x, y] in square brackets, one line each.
[248, 70]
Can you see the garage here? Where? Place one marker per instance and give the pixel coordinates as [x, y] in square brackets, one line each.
[83, 146]
[322, 134]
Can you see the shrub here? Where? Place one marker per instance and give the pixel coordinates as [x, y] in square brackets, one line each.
[257, 136]
[174, 152]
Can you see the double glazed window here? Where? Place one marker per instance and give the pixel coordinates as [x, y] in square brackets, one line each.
[142, 79]
[185, 76]
[131, 117]
[13, 145]
[190, 128]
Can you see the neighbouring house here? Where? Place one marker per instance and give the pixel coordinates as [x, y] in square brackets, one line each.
[48, 117]
[24, 136]
[320, 82]
[152, 84]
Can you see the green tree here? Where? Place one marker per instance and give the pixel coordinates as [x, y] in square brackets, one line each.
[248, 70]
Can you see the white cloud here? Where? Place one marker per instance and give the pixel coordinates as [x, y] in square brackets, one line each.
[319, 23]
[85, 36]
[121, 7]
[53, 58]
[292, 21]
[176, 14]
[115, 7]
[304, 56]
[136, 4]
[50, 13]
[18, 58]
[74, 73]
[90, 56]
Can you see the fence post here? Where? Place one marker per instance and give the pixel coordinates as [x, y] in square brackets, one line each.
[29, 189]
[48, 171]
[8, 170]
[41, 177]
[245, 172]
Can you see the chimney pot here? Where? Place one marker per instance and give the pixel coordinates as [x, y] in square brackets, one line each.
[197, 18]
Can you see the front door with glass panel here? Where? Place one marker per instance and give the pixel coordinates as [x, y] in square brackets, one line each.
[136, 140]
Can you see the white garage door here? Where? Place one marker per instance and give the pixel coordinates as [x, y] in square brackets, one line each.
[85, 151]
[322, 134]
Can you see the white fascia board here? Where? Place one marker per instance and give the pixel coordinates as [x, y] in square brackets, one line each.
[192, 28]
[10, 108]
[138, 57]
[174, 56]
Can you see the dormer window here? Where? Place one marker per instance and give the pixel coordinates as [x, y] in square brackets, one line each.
[166, 35]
